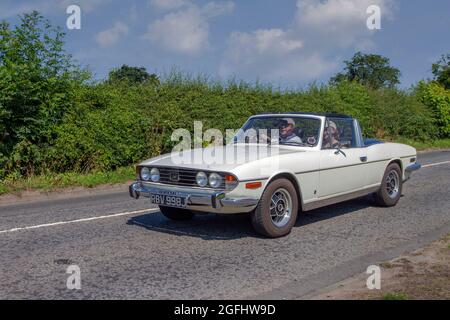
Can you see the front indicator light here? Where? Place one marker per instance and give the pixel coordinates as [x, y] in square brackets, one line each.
[230, 178]
[253, 185]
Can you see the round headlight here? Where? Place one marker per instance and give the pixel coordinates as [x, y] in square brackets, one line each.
[202, 179]
[145, 174]
[215, 180]
[154, 175]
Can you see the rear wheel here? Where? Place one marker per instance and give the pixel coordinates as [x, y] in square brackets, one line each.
[276, 212]
[391, 186]
[176, 214]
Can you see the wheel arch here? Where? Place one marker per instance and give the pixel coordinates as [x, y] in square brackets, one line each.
[397, 161]
[293, 179]
[400, 164]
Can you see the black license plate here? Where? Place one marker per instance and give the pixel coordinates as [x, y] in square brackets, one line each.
[168, 200]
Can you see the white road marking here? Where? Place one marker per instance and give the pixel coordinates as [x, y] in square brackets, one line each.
[434, 164]
[124, 213]
[79, 220]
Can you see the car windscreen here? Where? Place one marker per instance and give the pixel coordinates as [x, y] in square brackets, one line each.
[284, 130]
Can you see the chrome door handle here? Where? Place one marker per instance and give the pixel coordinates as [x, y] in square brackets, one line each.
[363, 159]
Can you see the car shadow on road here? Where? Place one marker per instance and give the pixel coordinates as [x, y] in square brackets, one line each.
[334, 210]
[229, 227]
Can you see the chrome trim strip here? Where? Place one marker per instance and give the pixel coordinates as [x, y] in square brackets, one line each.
[239, 202]
[340, 198]
[186, 171]
[349, 165]
[358, 134]
[256, 179]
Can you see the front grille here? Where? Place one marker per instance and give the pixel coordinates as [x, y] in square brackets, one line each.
[183, 177]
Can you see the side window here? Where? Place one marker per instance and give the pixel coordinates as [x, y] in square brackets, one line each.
[339, 132]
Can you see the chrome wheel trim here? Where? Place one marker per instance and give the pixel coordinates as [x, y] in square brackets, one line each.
[392, 184]
[280, 207]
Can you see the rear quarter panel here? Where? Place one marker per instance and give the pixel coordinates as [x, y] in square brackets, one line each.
[380, 155]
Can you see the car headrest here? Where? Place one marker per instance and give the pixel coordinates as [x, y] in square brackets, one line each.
[299, 132]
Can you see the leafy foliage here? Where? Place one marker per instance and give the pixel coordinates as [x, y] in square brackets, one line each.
[133, 75]
[370, 70]
[37, 79]
[441, 71]
[437, 98]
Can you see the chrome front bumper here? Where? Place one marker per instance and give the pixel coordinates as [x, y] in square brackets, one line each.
[197, 199]
[413, 167]
[410, 169]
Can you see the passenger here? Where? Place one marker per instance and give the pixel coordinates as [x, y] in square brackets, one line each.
[330, 136]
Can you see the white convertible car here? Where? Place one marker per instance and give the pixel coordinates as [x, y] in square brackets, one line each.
[276, 166]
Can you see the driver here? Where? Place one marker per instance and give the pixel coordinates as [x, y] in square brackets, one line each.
[287, 135]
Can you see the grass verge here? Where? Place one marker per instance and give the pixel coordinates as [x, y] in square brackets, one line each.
[395, 296]
[51, 182]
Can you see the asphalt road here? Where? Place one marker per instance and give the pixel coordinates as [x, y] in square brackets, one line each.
[127, 250]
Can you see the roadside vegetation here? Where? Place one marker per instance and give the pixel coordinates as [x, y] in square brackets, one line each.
[59, 127]
[395, 296]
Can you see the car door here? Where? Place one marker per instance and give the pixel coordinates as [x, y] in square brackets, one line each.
[342, 168]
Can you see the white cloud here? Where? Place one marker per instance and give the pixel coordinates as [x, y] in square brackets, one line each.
[338, 22]
[309, 48]
[271, 42]
[273, 54]
[187, 30]
[168, 4]
[85, 5]
[214, 9]
[111, 36]
[11, 8]
[133, 13]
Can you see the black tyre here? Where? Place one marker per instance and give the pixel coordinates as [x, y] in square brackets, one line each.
[391, 187]
[176, 213]
[277, 210]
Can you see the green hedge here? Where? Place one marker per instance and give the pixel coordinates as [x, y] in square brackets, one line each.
[112, 125]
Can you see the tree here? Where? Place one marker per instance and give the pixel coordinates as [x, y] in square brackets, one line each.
[133, 75]
[36, 81]
[441, 71]
[370, 70]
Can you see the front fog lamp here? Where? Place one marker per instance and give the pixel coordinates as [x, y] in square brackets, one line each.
[145, 174]
[154, 175]
[215, 180]
[202, 179]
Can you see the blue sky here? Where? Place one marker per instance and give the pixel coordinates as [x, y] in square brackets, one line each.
[288, 43]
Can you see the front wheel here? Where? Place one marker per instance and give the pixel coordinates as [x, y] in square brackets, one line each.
[391, 186]
[276, 212]
[176, 214]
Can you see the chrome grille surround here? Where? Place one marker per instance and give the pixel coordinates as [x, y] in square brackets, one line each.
[187, 177]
